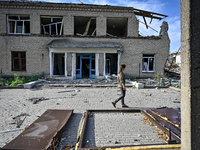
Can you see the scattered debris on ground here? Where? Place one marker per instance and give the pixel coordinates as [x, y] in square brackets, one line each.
[147, 121]
[17, 120]
[146, 94]
[10, 131]
[35, 100]
[73, 90]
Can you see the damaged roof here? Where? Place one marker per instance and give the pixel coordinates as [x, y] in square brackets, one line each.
[75, 6]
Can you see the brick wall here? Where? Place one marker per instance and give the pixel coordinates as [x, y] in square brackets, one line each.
[37, 53]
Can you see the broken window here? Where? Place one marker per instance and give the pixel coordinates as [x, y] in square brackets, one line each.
[148, 63]
[18, 24]
[51, 25]
[117, 27]
[84, 26]
[19, 61]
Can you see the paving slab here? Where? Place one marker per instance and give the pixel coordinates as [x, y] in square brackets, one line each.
[16, 101]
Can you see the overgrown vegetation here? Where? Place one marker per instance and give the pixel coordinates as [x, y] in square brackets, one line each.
[159, 76]
[19, 80]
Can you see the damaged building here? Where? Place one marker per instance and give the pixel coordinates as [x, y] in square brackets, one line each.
[74, 41]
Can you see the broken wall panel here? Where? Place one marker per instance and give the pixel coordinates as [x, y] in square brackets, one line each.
[84, 26]
[117, 27]
[51, 25]
[43, 133]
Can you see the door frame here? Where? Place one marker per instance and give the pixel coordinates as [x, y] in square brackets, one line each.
[90, 57]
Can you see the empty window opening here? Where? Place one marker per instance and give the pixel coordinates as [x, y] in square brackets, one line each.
[51, 25]
[84, 26]
[148, 63]
[117, 27]
[19, 61]
[18, 24]
[111, 64]
[59, 64]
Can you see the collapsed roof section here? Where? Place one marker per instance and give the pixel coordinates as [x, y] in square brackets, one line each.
[88, 7]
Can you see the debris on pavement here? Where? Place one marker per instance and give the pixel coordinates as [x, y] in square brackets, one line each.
[73, 90]
[17, 120]
[146, 94]
[35, 100]
[10, 131]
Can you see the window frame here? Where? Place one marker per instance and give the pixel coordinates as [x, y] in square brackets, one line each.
[15, 27]
[149, 57]
[19, 58]
[50, 25]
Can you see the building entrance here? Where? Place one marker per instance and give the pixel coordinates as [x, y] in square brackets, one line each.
[85, 66]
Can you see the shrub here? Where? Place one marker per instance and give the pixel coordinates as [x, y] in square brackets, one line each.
[17, 80]
[159, 76]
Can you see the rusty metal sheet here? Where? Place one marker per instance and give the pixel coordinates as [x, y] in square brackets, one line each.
[171, 114]
[43, 133]
[166, 119]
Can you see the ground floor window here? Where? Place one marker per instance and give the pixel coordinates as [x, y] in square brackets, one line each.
[19, 61]
[148, 63]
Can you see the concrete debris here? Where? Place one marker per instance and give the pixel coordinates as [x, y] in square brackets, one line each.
[73, 94]
[10, 131]
[35, 100]
[17, 120]
[73, 90]
[146, 94]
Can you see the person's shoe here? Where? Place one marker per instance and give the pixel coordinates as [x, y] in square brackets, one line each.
[114, 104]
[124, 106]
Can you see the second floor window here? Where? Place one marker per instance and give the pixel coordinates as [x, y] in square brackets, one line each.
[51, 25]
[18, 24]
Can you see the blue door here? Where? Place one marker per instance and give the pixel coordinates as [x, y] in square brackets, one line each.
[85, 65]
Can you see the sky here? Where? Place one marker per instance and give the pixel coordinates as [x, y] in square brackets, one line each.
[166, 7]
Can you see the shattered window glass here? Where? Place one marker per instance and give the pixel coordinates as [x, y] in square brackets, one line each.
[18, 24]
[148, 63]
[51, 25]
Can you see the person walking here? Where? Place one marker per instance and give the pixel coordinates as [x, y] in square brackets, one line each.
[121, 85]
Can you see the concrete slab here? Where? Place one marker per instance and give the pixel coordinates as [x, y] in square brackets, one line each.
[139, 85]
